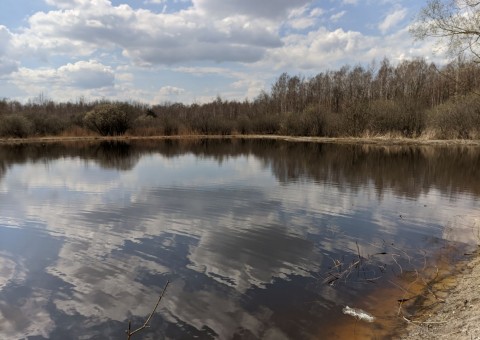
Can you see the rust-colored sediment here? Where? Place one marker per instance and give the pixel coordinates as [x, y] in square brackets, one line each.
[423, 290]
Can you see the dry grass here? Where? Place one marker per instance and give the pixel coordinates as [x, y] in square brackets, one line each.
[79, 134]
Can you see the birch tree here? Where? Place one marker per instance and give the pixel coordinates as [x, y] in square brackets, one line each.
[453, 22]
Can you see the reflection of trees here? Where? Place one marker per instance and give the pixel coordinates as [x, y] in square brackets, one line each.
[115, 155]
[407, 170]
[110, 155]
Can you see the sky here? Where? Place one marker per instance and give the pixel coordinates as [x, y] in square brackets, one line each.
[191, 51]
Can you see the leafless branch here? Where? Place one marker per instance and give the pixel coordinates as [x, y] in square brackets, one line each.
[129, 332]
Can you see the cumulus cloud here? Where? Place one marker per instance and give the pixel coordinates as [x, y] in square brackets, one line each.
[87, 75]
[259, 37]
[148, 37]
[67, 80]
[392, 19]
[323, 49]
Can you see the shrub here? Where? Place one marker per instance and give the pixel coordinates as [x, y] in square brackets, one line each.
[355, 119]
[458, 118]
[310, 122]
[265, 124]
[244, 125]
[110, 119]
[44, 124]
[15, 126]
[170, 125]
[385, 117]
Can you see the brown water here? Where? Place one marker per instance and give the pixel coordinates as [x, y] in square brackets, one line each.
[260, 239]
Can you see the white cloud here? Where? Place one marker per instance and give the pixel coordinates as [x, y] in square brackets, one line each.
[87, 75]
[67, 81]
[256, 37]
[303, 17]
[7, 63]
[170, 90]
[168, 93]
[148, 37]
[318, 48]
[245, 84]
[324, 49]
[392, 19]
[5, 37]
[335, 17]
[125, 77]
[316, 12]
[7, 66]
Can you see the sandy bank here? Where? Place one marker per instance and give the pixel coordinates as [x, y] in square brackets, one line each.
[458, 314]
[340, 140]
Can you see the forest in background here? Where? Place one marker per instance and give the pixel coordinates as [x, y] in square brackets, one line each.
[414, 99]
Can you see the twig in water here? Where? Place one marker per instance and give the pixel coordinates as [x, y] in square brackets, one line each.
[399, 266]
[358, 250]
[425, 322]
[129, 332]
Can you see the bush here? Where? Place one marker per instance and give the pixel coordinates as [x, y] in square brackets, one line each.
[458, 118]
[355, 119]
[310, 122]
[44, 124]
[171, 126]
[265, 124]
[386, 117]
[16, 126]
[110, 119]
[244, 125]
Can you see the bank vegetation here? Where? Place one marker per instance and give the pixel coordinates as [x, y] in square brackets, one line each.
[414, 99]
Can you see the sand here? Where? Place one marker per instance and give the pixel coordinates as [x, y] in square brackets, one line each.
[458, 316]
[383, 141]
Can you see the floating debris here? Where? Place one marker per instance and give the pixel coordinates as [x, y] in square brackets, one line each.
[358, 313]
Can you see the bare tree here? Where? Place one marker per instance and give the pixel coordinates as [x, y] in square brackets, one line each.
[454, 22]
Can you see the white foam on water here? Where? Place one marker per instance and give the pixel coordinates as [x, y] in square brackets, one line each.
[358, 313]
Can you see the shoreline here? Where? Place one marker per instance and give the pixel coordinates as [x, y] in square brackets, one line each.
[457, 316]
[383, 141]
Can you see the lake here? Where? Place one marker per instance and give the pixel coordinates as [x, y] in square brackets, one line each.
[259, 239]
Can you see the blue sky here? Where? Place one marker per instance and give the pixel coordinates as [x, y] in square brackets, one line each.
[191, 51]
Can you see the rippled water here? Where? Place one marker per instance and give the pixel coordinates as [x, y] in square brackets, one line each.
[258, 238]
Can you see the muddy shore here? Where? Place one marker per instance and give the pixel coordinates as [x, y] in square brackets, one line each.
[340, 140]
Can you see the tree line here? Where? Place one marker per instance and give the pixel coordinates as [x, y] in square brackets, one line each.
[413, 98]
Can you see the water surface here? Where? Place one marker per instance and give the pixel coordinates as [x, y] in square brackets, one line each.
[257, 238]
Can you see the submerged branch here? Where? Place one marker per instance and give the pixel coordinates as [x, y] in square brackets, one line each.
[129, 332]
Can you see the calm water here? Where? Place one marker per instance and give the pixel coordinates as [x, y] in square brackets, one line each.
[257, 237]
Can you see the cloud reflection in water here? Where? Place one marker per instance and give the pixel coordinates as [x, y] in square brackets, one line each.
[90, 233]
